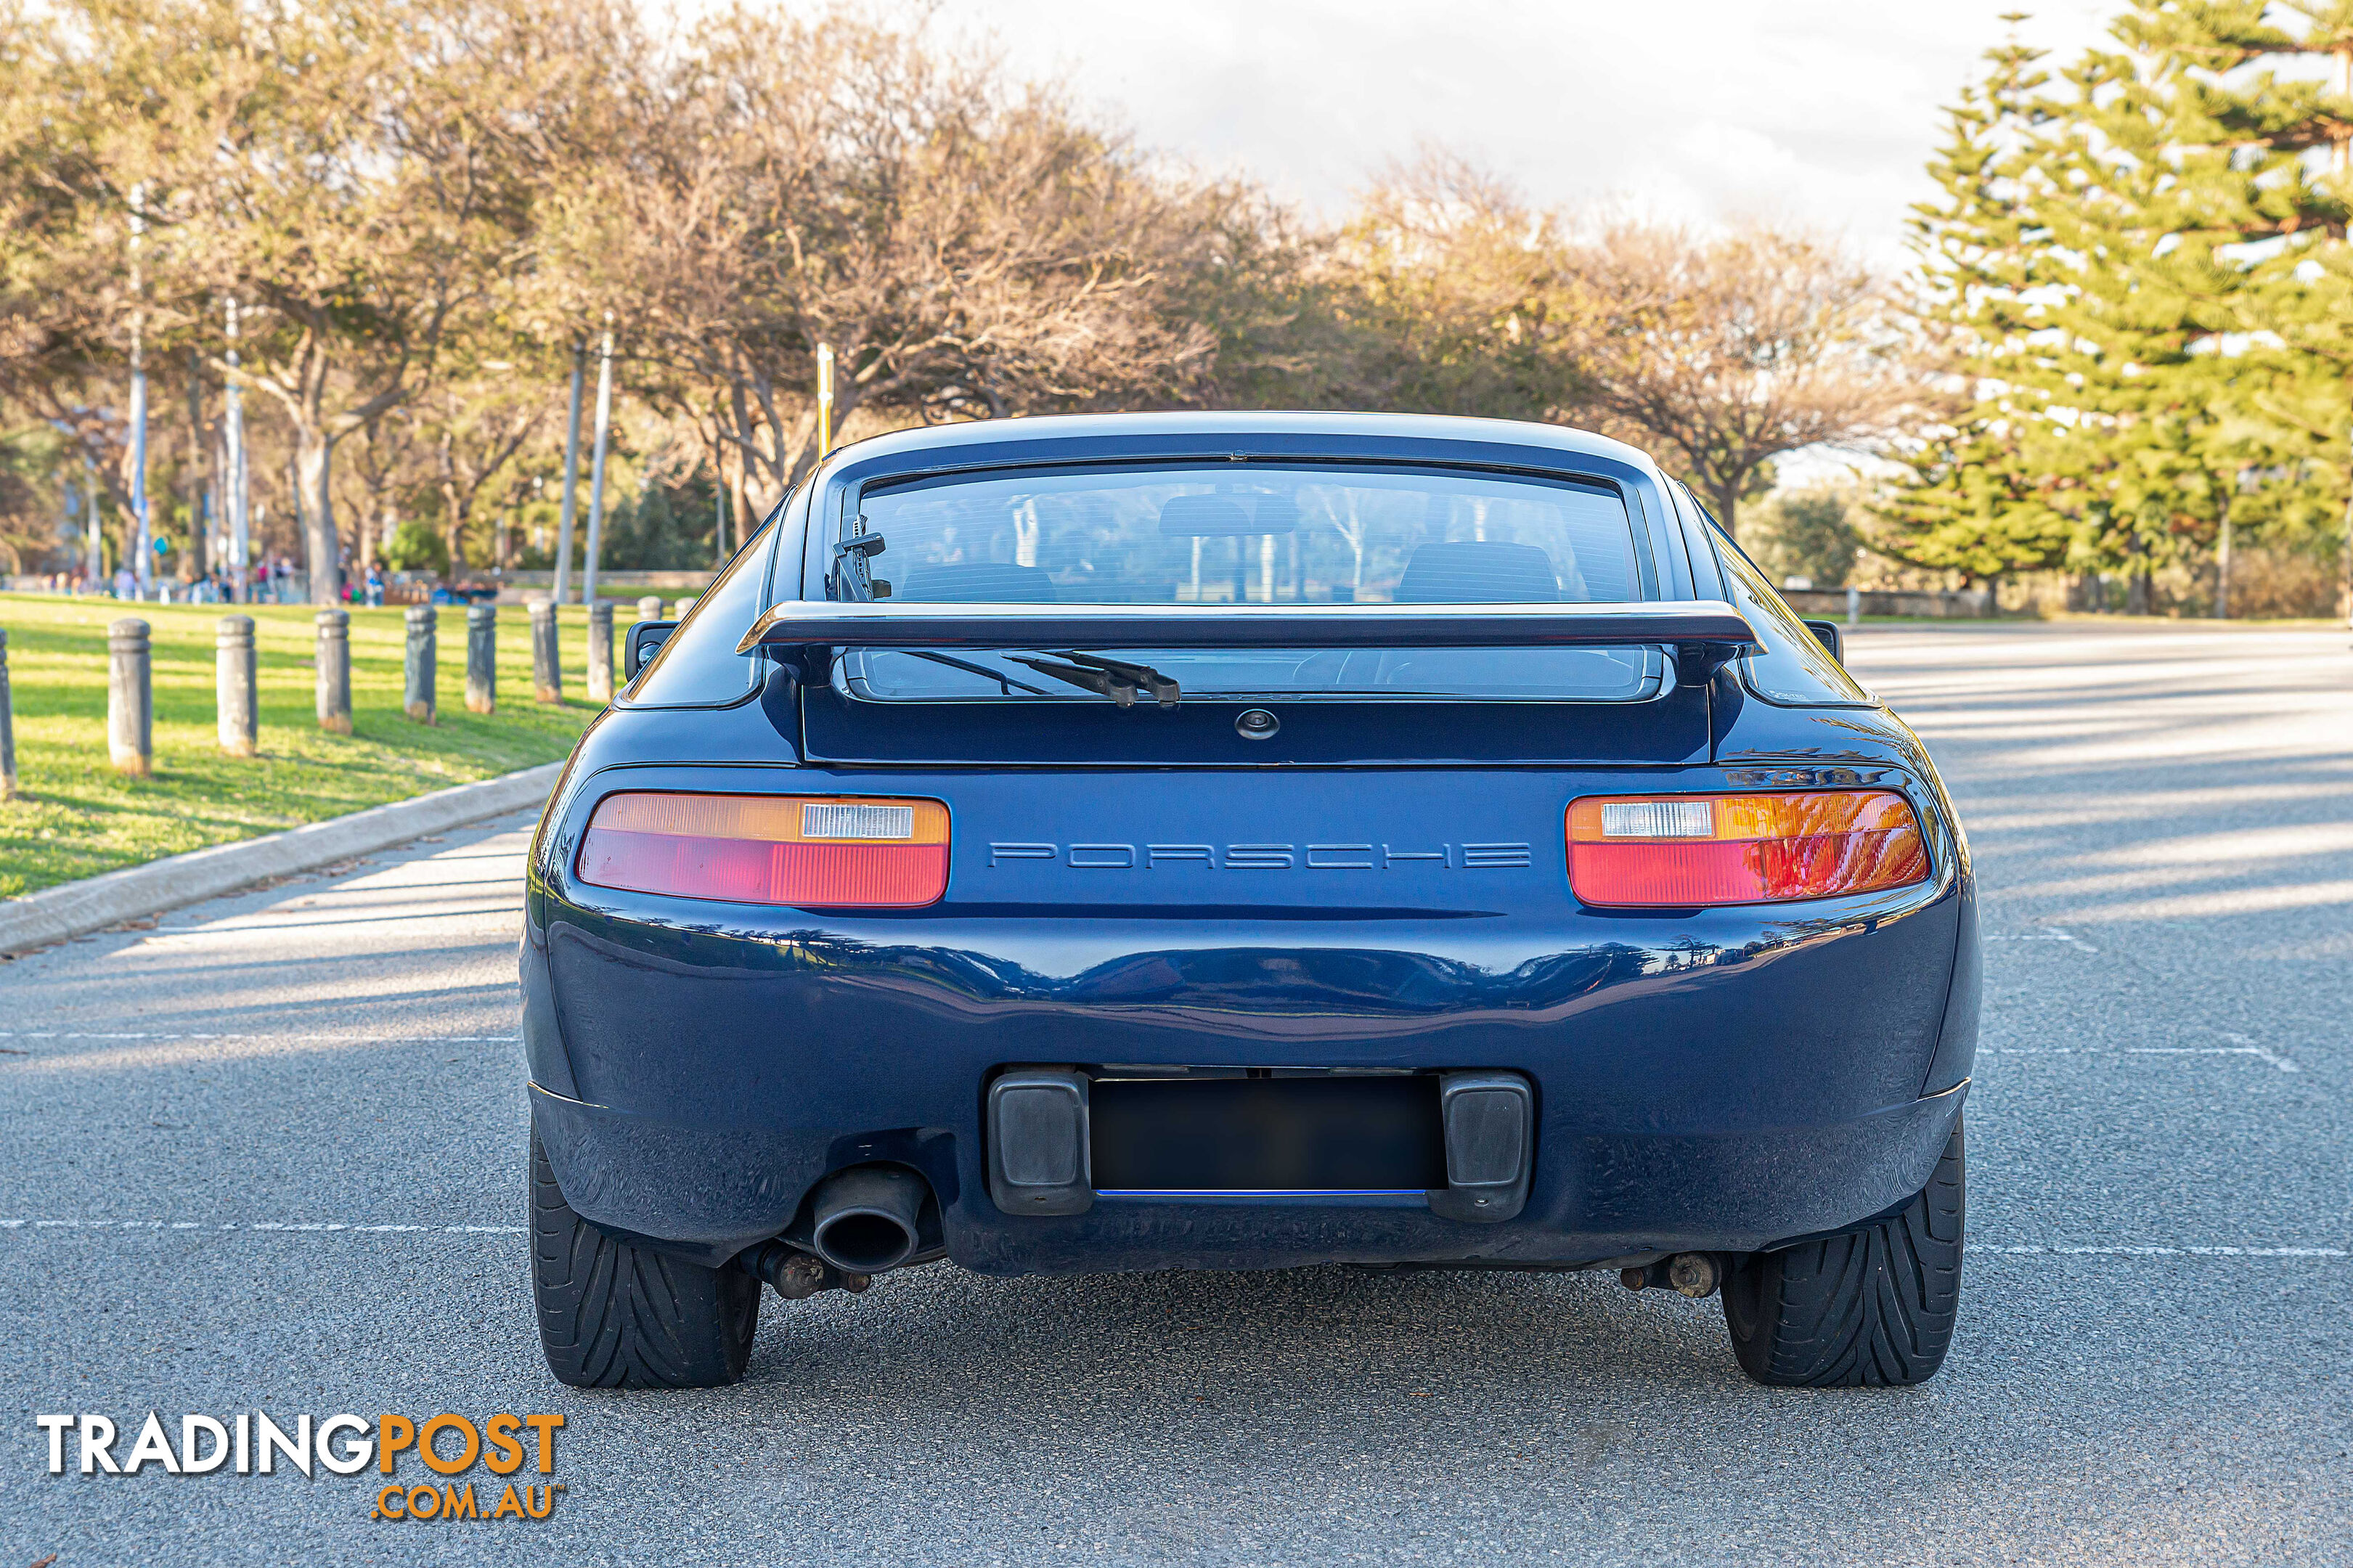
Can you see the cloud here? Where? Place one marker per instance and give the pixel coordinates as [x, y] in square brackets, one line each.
[1818, 111]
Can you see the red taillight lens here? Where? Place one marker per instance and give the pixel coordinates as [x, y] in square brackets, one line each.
[823, 850]
[1677, 851]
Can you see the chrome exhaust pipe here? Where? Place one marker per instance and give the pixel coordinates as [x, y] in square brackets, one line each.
[863, 1220]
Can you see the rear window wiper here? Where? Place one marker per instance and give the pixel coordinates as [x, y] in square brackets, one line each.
[1005, 682]
[1114, 678]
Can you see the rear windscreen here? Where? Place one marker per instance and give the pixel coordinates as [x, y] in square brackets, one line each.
[1225, 534]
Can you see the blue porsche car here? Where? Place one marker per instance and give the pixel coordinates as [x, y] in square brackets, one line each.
[1245, 841]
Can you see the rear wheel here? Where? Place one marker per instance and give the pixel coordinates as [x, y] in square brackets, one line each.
[615, 1316]
[1874, 1309]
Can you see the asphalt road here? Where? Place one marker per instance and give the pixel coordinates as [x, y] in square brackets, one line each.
[2153, 1363]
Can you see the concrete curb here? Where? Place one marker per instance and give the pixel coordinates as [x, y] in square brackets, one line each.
[79, 908]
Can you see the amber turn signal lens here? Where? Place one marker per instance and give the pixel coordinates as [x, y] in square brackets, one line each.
[821, 851]
[1688, 851]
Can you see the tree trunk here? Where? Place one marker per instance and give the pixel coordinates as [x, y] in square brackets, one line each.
[452, 524]
[739, 497]
[314, 453]
[1727, 509]
[2137, 595]
[193, 560]
[453, 519]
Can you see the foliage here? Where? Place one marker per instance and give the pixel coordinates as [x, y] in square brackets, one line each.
[417, 547]
[32, 501]
[1719, 353]
[2131, 320]
[1459, 295]
[2138, 280]
[968, 250]
[1729, 350]
[662, 528]
[1811, 533]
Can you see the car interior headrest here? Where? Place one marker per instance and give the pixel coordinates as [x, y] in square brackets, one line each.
[1196, 516]
[1477, 573]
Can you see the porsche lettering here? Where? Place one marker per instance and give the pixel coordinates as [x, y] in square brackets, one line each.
[1267, 856]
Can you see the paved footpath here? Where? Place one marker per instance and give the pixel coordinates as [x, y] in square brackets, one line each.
[268, 1154]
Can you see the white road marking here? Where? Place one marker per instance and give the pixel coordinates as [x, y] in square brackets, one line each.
[2166, 1252]
[2246, 1042]
[2258, 1052]
[354, 1039]
[275, 1226]
[2053, 934]
[107, 1052]
[284, 1227]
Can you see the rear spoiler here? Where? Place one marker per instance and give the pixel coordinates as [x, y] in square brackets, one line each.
[1704, 633]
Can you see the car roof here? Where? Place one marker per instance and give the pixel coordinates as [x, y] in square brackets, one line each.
[1093, 428]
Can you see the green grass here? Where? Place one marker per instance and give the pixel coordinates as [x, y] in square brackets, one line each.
[74, 816]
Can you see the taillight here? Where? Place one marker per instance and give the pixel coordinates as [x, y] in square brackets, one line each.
[770, 849]
[1677, 851]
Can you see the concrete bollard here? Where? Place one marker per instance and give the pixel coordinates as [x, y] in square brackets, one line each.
[130, 698]
[677, 611]
[237, 691]
[7, 726]
[649, 607]
[416, 662]
[335, 660]
[546, 670]
[600, 651]
[481, 658]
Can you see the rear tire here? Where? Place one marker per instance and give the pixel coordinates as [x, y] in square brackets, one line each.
[1874, 1309]
[615, 1316]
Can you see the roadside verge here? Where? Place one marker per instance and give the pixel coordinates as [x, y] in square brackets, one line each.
[94, 904]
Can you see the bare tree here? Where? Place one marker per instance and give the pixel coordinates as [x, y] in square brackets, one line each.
[64, 295]
[966, 252]
[352, 170]
[1466, 286]
[1735, 349]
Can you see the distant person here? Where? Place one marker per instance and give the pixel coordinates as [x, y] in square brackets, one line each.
[374, 588]
[126, 586]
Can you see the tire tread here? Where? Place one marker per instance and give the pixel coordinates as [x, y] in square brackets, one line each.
[1871, 1309]
[612, 1315]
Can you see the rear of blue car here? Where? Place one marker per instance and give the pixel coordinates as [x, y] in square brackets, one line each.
[1183, 842]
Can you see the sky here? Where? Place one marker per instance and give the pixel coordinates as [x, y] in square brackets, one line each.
[1821, 112]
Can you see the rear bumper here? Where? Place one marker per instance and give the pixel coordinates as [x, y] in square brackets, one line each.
[1594, 1196]
[1719, 1082]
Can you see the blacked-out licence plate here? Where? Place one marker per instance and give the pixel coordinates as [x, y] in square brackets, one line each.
[1309, 1134]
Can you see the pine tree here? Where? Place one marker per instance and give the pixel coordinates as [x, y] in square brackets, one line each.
[1977, 499]
[2145, 276]
[2138, 329]
[2263, 116]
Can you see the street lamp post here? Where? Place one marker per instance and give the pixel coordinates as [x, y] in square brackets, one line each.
[94, 537]
[571, 477]
[824, 400]
[596, 463]
[233, 421]
[144, 567]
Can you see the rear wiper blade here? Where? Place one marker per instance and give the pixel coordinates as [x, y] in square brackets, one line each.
[1114, 678]
[1004, 680]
